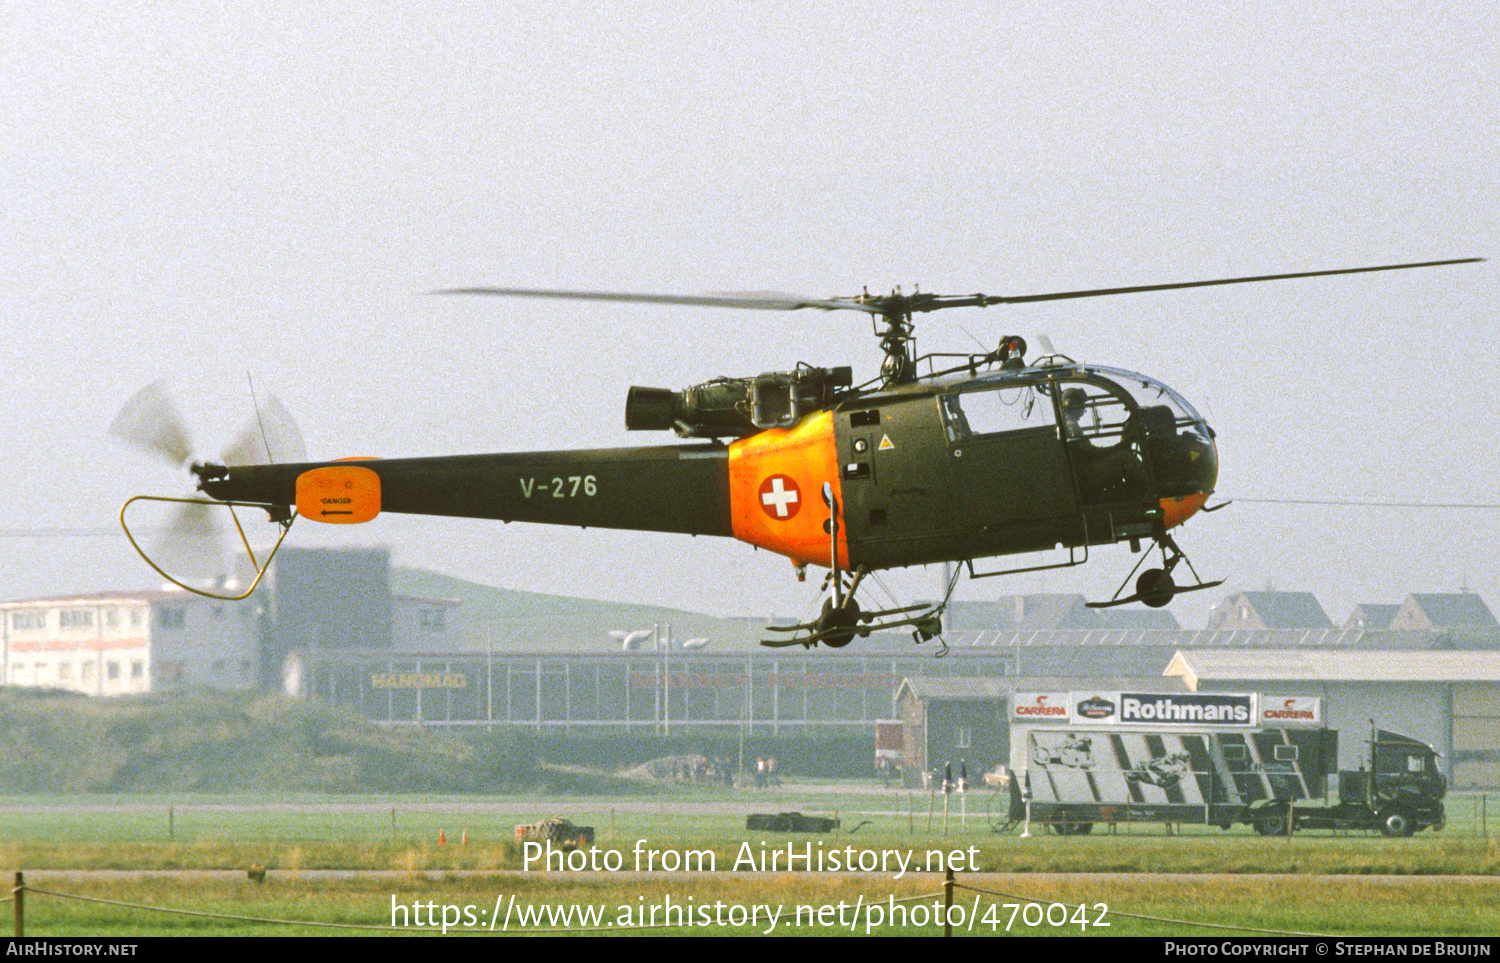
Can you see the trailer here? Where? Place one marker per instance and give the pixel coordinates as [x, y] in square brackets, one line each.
[790, 823]
[1212, 759]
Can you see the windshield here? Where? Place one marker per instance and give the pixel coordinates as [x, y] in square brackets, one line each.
[1148, 392]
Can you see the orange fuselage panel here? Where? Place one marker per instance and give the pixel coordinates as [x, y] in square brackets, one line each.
[1175, 511]
[776, 483]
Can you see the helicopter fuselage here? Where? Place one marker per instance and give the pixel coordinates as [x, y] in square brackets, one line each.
[952, 469]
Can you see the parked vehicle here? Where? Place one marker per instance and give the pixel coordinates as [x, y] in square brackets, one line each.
[1277, 780]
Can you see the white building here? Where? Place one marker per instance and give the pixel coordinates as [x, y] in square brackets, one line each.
[119, 643]
[114, 643]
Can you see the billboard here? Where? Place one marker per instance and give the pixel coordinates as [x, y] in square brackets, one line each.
[1156, 710]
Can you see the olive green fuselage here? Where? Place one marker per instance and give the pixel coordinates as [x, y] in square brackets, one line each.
[919, 474]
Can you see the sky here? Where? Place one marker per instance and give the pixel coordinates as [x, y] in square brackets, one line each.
[215, 195]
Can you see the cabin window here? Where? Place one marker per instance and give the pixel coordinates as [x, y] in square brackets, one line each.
[1093, 415]
[996, 411]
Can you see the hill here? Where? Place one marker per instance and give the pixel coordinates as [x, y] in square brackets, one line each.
[206, 741]
[518, 621]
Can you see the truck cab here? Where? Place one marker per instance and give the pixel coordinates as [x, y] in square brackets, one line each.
[1402, 789]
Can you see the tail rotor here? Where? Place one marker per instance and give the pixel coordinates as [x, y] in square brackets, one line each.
[192, 542]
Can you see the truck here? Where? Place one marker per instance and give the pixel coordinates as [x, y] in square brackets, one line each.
[1274, 779]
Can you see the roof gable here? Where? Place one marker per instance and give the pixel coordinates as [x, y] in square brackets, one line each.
[1371, 617]
[1444, 610]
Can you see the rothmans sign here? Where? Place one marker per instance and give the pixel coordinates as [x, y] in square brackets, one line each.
[1145, 709]
[1182, 709]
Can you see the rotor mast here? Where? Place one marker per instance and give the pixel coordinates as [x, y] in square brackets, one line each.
[899, 367]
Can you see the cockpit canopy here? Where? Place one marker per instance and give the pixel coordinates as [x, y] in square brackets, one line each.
[1128, 436]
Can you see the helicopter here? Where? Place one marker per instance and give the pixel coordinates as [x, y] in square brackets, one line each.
[981, 456]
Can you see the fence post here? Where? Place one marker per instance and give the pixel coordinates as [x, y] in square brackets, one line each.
[19, 893]
[948, 902]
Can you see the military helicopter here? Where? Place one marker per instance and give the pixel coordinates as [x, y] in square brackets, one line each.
[983, 455]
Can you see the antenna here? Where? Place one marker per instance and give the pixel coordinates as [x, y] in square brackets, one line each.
[270, 458]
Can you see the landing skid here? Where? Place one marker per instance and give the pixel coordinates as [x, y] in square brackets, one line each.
[837, 627]
[842, 619]
[1138, 597]
[1155, 586]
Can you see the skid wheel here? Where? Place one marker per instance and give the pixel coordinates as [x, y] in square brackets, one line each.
[844, 623]
[1155, 587]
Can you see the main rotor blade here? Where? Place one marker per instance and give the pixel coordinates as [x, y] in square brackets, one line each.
[754, 300]
[896, 305]
[151, 422]
[1138, 289]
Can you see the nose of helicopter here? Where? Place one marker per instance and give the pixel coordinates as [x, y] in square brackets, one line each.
[1197, 471]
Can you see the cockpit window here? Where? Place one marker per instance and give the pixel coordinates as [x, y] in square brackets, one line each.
[1092, 414]
[993, 410]
[1150, 393]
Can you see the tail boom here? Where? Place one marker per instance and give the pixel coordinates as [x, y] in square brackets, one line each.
[660, 489]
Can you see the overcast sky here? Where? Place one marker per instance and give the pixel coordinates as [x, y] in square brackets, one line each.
[200, 192]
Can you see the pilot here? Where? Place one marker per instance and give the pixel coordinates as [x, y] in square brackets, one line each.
[1107, 472]
[1075, 404]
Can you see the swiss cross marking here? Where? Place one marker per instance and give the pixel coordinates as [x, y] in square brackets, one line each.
[780, 497]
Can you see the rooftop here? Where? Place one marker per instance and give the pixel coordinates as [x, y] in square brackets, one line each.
[1200, 666]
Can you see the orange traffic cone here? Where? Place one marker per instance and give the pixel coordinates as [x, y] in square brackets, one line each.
[442, 838]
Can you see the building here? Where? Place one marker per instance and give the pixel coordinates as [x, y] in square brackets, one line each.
[1045, 612]
[1450, 699]
[326, 625]
[119, 643]
[958, 722]
[1462, 613]
[1371, 616]
[660, 691]
[1268, 610]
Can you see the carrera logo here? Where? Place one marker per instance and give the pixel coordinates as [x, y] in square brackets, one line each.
[1290, 709]
[1039, 707]
[1096, 708]
[1040, 710]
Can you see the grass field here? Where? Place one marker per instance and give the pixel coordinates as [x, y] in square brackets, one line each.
[141, 850]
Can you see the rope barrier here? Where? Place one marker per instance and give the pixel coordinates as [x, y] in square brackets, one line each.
[617, 929]
[214, 916]
[361, 926]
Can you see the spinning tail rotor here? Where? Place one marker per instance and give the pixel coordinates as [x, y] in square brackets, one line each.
[192, 544]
